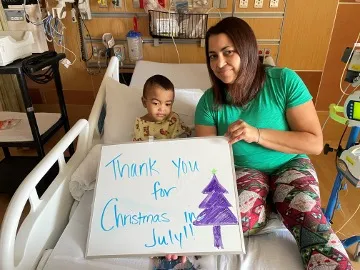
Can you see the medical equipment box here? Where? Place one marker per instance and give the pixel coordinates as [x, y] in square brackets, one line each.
[15, 45]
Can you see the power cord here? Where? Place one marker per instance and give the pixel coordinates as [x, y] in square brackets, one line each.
[337, 154]
[82, 43]
[41, 78]
[122, 76]
[81, 23]
[172, 36]
[352, 216]
[218, 10]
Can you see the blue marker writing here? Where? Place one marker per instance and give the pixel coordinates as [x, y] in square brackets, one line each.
[171, 238]
[103, 213]
[185, 167]
[132, 170]
[189, 217]
[163, 192]
[117, 219]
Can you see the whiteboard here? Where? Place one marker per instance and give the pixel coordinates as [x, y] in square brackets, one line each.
[166, 197]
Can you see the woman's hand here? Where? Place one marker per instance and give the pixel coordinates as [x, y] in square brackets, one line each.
[242, 131]
[171, 257]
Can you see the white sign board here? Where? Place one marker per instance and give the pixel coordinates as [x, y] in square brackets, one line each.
[168, 196]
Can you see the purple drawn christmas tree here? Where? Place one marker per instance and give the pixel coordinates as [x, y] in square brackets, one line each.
[216, 211]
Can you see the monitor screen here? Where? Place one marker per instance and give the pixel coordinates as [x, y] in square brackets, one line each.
[356, 114]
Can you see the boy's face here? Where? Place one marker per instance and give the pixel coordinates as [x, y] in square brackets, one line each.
[158, 103]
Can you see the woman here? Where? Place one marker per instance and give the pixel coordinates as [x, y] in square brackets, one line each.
[269, 117]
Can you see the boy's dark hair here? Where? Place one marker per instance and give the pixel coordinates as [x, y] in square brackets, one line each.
[251, 75]
[158, 80]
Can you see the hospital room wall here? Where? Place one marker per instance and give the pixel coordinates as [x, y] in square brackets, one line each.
[303, 47]
[346, 30]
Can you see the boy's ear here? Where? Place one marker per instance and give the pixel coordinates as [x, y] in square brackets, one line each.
[143, 101]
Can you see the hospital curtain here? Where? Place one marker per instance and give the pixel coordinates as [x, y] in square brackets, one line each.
[10, 95]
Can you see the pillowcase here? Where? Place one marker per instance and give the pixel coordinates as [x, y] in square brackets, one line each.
[185, 104]
[123, 105]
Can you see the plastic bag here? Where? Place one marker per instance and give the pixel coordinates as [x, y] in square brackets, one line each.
[193, 26]
[8, 123]
[152, 5]
[164, 25]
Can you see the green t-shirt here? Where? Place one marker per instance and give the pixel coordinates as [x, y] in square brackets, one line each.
[283, 89]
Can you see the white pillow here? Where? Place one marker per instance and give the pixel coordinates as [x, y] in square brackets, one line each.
[185, 104]
[123, 105]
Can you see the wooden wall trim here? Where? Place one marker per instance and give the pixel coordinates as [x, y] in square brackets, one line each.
[346, 29]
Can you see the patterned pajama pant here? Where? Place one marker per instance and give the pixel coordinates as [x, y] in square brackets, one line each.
[295, 194]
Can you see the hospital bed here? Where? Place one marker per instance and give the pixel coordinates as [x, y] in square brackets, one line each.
[54, 233]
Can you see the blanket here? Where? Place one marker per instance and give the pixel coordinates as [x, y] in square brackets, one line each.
[84, 177]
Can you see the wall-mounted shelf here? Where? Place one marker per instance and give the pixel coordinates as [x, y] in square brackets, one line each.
[179, 41]
[276, 14]
[103, 65]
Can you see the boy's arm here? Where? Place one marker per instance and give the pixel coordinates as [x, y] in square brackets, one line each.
[180, 129]
[187, 130]
[137, 136]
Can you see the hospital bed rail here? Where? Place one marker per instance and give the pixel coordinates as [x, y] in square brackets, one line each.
[99, 103]
[23, 249]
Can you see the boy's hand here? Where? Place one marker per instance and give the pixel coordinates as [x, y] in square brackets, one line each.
[171, 257]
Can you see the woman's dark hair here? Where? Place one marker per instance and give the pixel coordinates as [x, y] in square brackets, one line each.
[158, 80]
[251, 75]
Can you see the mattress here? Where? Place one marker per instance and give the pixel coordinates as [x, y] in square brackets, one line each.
[183, 76]
[274, 249]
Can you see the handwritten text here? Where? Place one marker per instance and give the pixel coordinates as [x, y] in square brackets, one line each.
[132, 170]
[162, 192]
[118, 219]
[185, 167]
[171, 238]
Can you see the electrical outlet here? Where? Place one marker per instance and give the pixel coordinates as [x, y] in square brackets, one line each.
[216, 4]
[267, 52]
[274, 3]
[244, 3]
[102, 53]
[117, 3]
[258, 3]
[223, 3]
[103, 3]
[136, 4]
[95, 51]
[261, 55]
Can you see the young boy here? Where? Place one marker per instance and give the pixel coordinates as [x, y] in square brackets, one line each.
[160, 121]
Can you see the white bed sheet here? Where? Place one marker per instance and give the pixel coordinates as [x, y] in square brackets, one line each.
[183, 76]
[275, 250]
